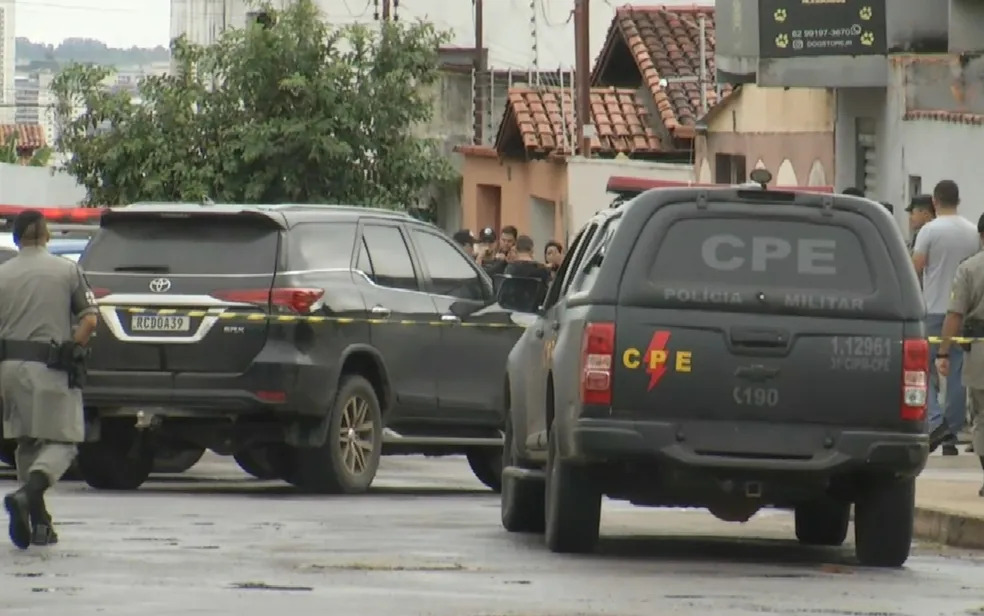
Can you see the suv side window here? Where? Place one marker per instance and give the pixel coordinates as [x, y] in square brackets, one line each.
[321, 245]
[389, 257]
[450, 273]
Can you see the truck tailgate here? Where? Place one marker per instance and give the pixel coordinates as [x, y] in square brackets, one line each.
[674, 365]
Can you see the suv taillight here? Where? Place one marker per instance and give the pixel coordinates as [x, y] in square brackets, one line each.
[296, 300]
[915, 379]
[597, 361]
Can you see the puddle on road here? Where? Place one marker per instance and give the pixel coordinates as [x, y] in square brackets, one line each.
[265, 586]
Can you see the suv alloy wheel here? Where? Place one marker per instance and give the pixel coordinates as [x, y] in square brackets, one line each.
[349, 458]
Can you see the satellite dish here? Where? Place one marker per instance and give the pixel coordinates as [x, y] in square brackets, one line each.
[760, 176]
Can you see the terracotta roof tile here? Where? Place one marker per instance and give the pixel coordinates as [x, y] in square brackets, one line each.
[29, 136]
[954, 117]
[545, 118]
[665, 43]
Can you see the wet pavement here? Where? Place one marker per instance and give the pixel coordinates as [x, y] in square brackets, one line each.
[427, 541]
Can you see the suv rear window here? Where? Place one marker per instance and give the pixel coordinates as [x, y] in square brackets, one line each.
[184, 246]
[762, 253]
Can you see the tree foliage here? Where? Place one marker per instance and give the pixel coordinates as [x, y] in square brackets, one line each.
[294, 111]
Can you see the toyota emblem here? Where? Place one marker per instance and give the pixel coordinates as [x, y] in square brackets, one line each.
[160, 285]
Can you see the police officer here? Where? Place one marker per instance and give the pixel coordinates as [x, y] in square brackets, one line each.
[41, 294]
[965, 315]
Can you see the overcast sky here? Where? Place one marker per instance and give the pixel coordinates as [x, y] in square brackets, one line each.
[146, 23]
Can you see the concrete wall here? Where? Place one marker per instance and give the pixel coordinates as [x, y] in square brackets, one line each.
[587, 181]
[910, 25]
[497, 192]
[928, 149]
[38, 187]
[923, 141]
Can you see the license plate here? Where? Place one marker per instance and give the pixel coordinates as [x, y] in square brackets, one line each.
[160, 323]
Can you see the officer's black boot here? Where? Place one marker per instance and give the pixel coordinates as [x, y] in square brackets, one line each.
[938, 436]
[42, 527]
[21, 503]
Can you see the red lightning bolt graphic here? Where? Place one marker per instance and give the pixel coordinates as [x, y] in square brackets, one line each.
[658, 343]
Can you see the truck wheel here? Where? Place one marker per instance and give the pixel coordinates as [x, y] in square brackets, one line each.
[347, 462]
[822, 522]
[118, 461]
[257, 462]
[486, 463]
[177, 460]
[883, 518]
[523, 498]
[573, 504]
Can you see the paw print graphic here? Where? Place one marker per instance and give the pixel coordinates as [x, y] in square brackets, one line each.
[867, 39]
[865, 13]
[779, 15]
[782, 41]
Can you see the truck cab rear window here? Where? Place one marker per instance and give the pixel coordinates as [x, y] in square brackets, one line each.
[762, 253]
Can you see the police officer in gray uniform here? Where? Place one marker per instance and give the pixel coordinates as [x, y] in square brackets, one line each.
[43, 297]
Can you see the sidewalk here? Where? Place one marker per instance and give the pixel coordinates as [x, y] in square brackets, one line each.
[948, 509]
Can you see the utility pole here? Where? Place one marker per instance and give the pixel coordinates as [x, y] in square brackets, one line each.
[481, 67]
[582, 76]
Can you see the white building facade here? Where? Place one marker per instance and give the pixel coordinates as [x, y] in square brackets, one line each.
[8, 48]
[35, 102]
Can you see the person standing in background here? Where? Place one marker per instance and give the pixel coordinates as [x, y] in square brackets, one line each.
[940, 247]
[553, 255]
[921, 212]
[966, 307]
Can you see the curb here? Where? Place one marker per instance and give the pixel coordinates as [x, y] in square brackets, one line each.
[947, 528]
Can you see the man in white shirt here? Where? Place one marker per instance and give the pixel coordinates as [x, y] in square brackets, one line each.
[940, 247]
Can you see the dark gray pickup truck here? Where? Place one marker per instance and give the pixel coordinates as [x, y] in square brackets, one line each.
[728, 348]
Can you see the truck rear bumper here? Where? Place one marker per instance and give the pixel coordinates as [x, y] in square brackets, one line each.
[752, 446]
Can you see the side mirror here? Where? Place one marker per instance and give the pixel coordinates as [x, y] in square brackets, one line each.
[462, 308]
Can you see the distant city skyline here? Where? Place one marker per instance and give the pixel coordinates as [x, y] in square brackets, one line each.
[118, 23]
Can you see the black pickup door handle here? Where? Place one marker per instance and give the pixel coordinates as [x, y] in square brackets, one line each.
[759, 337]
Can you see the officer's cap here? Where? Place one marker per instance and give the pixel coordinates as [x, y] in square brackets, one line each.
[24, 220]
[921, 202]
[487, 235]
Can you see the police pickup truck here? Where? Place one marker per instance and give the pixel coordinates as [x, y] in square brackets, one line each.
[728, 348]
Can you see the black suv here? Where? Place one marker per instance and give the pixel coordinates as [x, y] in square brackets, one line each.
[727, 348]
[304, 340]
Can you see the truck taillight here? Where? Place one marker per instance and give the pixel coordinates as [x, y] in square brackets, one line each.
[291, 299]
[915, 379]
[597, 361]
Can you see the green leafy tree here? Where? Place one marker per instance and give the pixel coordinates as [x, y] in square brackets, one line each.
[290, 111]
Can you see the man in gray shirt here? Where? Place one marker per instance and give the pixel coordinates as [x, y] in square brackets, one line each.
[940, 247]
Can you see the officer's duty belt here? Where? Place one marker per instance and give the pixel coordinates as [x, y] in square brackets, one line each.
[25, 350]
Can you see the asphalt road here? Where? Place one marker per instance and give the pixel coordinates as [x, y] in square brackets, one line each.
[427, 540]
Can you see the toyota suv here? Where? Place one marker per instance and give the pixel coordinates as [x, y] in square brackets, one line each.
[305, 341]
[731, 349]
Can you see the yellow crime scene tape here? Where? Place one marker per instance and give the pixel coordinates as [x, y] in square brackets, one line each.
[293, 318]
[296, 318]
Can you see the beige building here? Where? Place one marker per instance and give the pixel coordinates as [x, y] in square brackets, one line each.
[790, 132]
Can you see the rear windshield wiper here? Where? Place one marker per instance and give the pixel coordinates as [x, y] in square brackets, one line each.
[150, 269]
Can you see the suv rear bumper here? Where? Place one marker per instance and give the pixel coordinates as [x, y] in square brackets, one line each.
[748, 446]
[287, 388]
